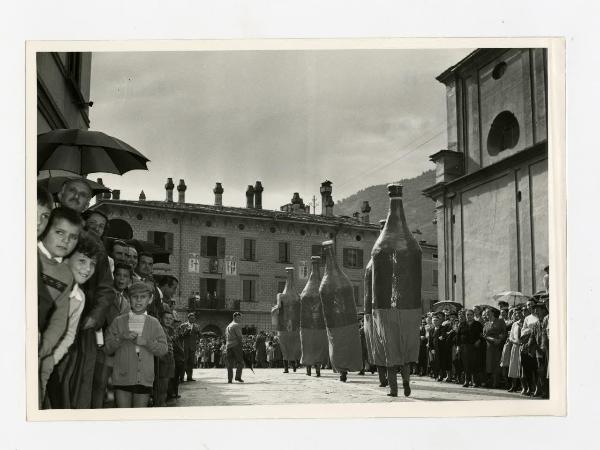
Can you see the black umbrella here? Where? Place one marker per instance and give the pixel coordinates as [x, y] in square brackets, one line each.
[454, 306]
[84, 151]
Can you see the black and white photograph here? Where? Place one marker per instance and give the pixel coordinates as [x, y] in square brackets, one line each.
[358, 226]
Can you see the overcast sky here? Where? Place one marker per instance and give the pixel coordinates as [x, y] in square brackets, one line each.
[290, 119]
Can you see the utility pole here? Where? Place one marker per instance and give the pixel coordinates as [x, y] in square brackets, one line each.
[314, 204]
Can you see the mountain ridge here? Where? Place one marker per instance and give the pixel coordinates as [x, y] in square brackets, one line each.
[419, 210]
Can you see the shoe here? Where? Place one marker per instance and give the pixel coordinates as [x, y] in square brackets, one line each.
[229, 381]
[465, 385]
[191, 379]
[286, 371]
[476, 385]
[384, 384]
[406, 387]
[392, 394]
[239, 380]
[343, 378]
[362, 372]
[525, 393]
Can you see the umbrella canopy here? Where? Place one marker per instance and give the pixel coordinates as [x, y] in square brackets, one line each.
[209, 333]
[84, 151]
[54, 184]
[511, 297]
[452, 305]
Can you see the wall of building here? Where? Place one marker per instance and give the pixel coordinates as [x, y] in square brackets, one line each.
[63, 87]
[492, 220]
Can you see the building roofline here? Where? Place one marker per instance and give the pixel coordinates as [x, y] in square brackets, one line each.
[476, 57]
[258, 214]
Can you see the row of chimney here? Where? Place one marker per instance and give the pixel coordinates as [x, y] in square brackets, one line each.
[253, 198]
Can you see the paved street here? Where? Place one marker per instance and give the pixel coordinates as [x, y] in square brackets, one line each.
[272, 387]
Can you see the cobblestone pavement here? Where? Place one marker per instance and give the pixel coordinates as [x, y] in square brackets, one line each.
[272, 387]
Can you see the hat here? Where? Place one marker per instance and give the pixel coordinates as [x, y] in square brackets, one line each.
[191, 314]
[502, 304]
[139, 286]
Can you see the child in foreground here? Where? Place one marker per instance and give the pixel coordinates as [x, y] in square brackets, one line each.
[135, 338]
[82, 263]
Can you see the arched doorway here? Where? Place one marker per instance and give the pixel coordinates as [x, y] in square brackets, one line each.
[212, 329]
[120, 229]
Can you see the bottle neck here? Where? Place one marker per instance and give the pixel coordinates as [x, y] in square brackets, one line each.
[289, 283]
[330, 262]
[315, 271]
[396, 217]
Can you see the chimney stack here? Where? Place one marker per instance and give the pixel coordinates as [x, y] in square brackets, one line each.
[258, 190]
[116, 194]
[169, 188]
[329, 207]
[296, 202]
[325, 194]
[365, 209]
[181, 188]
[218, 191]
[142, 196]
[250, 197]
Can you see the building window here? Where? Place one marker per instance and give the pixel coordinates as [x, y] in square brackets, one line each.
[212, 246]
[284, 252]
[249, 290]
[504, 133]
[212, 289]
[162, 239]
[280, 286]
[249, 249]
[353, 258]
[317, 250]
[434, 276]
[357, 298]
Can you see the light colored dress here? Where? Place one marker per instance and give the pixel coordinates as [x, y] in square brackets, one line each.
[514, 366]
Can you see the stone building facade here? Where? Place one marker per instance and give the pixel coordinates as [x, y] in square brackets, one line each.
[491, 188]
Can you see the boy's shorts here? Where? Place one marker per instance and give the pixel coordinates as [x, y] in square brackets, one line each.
[135, 389]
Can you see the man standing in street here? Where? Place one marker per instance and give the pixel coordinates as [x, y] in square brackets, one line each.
[235, 354]
[190, 335]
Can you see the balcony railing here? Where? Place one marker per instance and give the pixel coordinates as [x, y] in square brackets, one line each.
[214, 304]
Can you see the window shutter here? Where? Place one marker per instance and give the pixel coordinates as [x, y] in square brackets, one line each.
[245, 290]
[221, 247]
[169, 242]
[252, 290]
[253, 250]
[346, 257]
[203, 246]
[316, 250]
[151, 236]
[359, 258]
[203, 288]
[220, 289]
[356, 296]
[281, 251]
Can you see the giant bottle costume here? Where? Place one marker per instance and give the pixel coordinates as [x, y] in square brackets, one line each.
[286, 319]
[339, 309]
[375, 351]
[313, 335]
[396, 278]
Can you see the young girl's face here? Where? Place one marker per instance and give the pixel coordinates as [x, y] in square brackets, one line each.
[139, 301]
[82, 267]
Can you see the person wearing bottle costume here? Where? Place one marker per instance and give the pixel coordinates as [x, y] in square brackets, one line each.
[285, 317]
[396, 278]
[313, 335]
[341, 320]
[375, 349]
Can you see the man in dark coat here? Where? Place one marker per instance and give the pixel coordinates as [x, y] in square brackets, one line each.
[469, 340]
[190, 334]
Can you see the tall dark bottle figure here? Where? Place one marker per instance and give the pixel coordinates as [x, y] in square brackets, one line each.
[286, 319]
[313, 335]
[339, 309]
[396, 277]
[375, 351]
